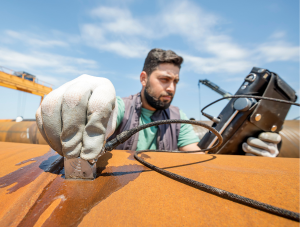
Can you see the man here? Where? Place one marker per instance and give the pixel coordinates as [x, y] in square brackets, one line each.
[159, 79]
[79, 116]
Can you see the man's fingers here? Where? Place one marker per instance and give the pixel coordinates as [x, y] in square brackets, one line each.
[259, 147]
[112, 122]
[39, 122]
[73, 114]
[270, 147]
[270, 137]
[51, 117]
[100, 109]
[258, 143]
[256, 151]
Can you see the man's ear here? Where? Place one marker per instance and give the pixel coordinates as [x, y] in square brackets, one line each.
[143, 78]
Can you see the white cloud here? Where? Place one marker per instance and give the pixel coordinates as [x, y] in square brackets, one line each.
[119, 21]
[222, 47]
[186, 19]
[34, 40]
[116, 30]
[39, 62]
[215, 65]
[39, 59]
[110, 12]
[134, 77]
[96, 36]
[278, 35]
[278, 51]
[50, 80]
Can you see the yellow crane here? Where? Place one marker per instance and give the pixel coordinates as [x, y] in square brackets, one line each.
[23, 82]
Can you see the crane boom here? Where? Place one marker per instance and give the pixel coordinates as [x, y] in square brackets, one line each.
[22, 84]
[215, 87]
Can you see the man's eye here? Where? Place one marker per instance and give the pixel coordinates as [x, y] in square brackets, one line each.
[164, 80]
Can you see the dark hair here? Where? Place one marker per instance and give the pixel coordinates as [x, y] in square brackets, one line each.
[157, 56]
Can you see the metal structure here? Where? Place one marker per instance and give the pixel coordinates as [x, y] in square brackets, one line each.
[290, 135]
[125, 193]
[27, 132]
[23, 82]
[20, 132]
[215, 87]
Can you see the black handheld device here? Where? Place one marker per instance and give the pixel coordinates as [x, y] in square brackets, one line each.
[245, 117]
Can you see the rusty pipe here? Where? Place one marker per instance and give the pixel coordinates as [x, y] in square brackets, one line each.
[20, 132]
[290, 135]
[27, 132]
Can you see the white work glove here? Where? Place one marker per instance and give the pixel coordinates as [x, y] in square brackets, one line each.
[265, 145]
[77, 118]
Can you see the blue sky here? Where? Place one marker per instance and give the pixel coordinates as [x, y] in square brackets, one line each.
[220, 40]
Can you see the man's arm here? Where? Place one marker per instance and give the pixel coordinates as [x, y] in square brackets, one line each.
[191, 147]
[121, 111]
[187, 140]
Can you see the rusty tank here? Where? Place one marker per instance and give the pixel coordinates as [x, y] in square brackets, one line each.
[290, 135]
[20, 132]
[125, 193]
[34, 191]
[27, 132]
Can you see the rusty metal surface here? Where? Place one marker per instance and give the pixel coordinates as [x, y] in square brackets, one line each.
[125, 193]
[21, 132]
[6, 120]
[27, 132]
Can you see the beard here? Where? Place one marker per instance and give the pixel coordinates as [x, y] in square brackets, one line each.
[155, 102]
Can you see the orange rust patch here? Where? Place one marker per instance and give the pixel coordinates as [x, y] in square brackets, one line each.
[127, 193]
[47, 213]
[14, 153]
[153, 199]
[79, 197]
[26, 174]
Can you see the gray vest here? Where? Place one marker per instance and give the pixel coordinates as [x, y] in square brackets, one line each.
[167, 135]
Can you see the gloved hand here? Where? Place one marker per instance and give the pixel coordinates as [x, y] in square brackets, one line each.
[77, 118]
[265, 145]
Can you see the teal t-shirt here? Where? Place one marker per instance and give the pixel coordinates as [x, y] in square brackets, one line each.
[147, 137]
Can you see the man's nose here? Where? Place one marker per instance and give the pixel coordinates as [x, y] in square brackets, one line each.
[171, 88]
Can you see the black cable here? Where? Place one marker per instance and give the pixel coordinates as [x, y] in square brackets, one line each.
[251, 96]
[219, 192]
[122, 137]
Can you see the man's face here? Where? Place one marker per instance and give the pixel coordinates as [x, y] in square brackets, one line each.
[161, 84]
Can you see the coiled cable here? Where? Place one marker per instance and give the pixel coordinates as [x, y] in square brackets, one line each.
[251, 96]
[122, 137]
